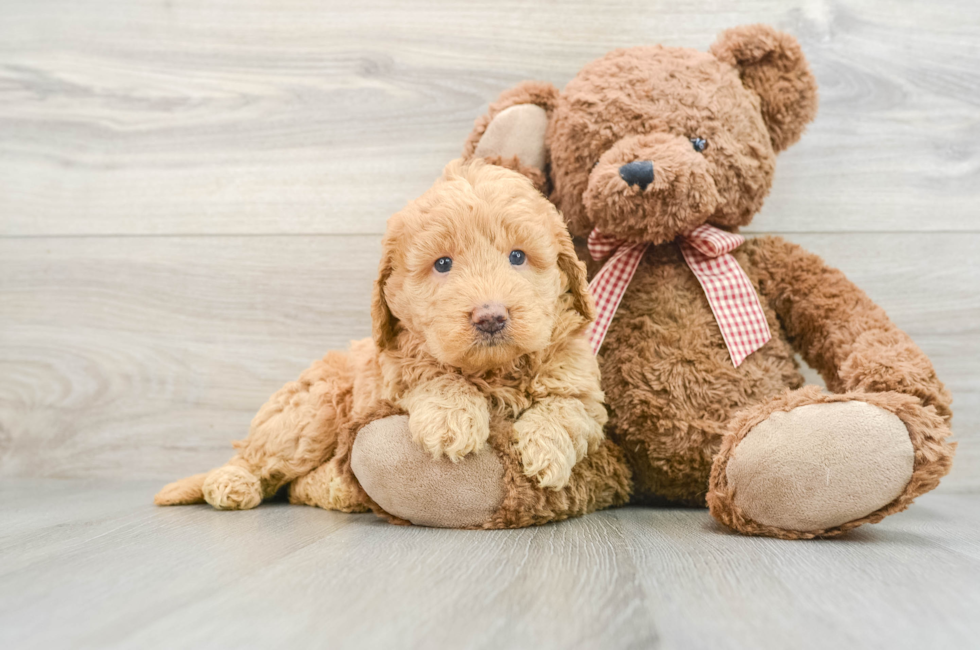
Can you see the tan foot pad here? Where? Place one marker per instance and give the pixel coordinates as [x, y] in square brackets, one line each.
[405, 480]
[821, 465]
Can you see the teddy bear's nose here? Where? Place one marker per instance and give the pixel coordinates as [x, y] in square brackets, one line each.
[489, 318]
[638, 172]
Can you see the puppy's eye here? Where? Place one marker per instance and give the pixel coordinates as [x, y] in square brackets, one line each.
[443, 264]
[700, 144]
[517, 258]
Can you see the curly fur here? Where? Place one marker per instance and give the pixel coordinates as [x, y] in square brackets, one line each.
[427, 359]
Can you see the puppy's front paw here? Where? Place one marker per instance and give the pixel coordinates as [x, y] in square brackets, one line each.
[453, 432]
[546, 449]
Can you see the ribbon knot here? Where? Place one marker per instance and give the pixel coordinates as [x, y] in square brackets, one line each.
[706, 249]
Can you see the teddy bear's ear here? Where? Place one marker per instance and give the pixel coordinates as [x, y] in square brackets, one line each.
[772, 65]
[512, 133]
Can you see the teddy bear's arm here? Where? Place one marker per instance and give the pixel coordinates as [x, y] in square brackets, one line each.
[838, 330]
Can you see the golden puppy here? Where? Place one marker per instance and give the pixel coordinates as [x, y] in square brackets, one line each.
[479, 308]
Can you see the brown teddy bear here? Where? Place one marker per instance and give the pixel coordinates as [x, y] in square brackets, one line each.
[658, 155]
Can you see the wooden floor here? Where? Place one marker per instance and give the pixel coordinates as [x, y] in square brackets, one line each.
[89, 564]
[191, 200]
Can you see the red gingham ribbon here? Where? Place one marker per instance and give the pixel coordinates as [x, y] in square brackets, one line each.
[706, 250]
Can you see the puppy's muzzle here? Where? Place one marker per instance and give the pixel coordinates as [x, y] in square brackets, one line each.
[490, 318]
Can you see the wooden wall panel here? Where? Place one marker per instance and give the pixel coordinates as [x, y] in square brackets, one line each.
[144, 356]
[297, 117]
[191, 195]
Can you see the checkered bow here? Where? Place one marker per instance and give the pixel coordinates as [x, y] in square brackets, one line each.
[706, 250]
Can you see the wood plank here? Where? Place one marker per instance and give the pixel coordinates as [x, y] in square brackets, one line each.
[114, 571]
[708, 588]
[312, 117]
[170, 341]
[88, 559]
[144, 357]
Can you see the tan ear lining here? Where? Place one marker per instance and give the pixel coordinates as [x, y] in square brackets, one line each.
[513, 133]
[517, 131]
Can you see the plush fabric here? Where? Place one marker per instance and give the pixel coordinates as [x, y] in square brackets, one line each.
[815, 445]
[488, 489]
[517, 131]
[678, 406]
[926, 429]
[405, 481]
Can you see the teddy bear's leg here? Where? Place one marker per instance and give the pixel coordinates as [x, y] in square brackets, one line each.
[809, 464]
[487, 489]
[405, 481]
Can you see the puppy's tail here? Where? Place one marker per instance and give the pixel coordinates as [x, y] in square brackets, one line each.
[183, 492]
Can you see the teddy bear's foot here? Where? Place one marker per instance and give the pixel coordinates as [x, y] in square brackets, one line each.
[813, 465]
[232, 488]
[408, 483]
[820, 465]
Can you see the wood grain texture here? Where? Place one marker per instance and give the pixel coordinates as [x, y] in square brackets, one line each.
[252, 116]
[93, 565]
[191, 194]
[145, 356]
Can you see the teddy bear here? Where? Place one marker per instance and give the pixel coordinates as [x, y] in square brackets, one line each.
[656, 156]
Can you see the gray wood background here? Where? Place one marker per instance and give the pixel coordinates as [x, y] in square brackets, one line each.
[192, 194]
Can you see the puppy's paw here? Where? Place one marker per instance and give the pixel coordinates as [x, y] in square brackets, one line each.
[547, 451]
[232, 488]
[453, 432]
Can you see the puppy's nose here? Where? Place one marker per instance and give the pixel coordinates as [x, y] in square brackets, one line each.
[638, 172]
[489, 318]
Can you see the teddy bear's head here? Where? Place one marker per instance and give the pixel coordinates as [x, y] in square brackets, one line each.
[647, 143]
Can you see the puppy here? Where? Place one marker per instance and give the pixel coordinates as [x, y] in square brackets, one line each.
[479, 309]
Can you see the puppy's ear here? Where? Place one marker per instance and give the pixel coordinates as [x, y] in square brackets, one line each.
[772, 65]
[513, 133]
[382, 320]
[578, 281]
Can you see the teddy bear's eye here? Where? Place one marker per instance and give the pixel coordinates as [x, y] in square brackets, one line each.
[517, 258]
[700, 144]
[443, 264]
